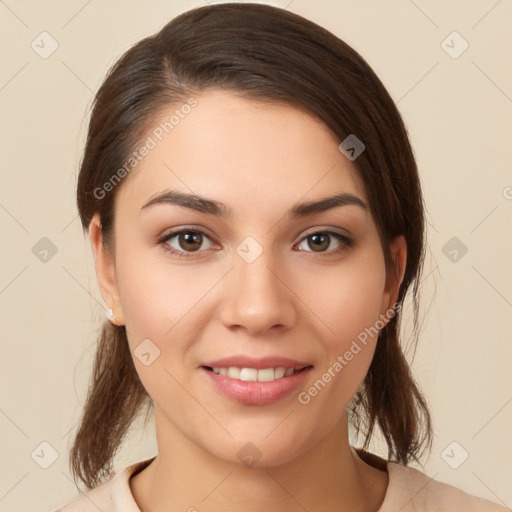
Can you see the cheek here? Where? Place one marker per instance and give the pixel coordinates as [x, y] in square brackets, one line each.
[348, 299]
[156, 295]
[164, 303]
[158, 308]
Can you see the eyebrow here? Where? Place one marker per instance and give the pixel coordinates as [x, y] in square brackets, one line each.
[218, 209]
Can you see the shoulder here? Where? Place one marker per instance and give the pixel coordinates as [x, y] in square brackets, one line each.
[410, 490]
[112, 496]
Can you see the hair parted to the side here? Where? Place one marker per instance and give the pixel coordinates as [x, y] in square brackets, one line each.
[269, 54]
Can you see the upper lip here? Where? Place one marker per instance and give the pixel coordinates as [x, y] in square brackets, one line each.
[241, 361]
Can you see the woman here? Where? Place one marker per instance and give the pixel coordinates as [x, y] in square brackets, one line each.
[256, 218]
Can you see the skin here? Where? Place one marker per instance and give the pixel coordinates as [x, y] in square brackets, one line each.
[259, 160]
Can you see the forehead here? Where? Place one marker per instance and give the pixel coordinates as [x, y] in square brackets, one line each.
[242, 152]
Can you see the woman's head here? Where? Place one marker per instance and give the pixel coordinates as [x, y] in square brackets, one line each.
[246, 105]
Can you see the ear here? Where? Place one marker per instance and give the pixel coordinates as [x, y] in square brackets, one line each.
[105, 270]
[395, 276]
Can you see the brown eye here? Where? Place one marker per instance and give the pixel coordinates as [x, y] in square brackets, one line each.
[328, 242]
[190, 240]
[186, 242]
[319, 242]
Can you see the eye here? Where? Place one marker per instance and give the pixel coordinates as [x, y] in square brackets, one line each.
[321, 241]
[185, 242]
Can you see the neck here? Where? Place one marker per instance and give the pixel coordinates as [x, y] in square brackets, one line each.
[328, 477]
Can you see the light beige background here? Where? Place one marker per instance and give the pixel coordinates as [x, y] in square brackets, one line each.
[458, 111]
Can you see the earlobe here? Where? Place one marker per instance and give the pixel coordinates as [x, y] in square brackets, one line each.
[105, 271]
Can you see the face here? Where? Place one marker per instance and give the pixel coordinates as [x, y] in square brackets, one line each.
[256, 276]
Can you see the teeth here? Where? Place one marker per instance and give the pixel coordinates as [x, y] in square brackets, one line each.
[279, 372]
[253, 375]
[233, 372]
[266, 375]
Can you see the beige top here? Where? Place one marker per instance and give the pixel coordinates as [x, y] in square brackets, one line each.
[409, 490]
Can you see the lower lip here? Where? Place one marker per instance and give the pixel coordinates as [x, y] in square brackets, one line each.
[253, 392]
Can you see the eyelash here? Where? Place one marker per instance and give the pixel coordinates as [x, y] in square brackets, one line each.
[346, 242]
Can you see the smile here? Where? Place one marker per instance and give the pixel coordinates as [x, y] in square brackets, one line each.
[251, 386]
[253, 374]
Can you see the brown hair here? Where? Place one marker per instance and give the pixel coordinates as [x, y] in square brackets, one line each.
[265, 53]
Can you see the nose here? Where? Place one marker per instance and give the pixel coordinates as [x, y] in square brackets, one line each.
[256, 296]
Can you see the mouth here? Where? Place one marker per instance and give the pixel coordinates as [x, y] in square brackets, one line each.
[256, 375]
[258, 382]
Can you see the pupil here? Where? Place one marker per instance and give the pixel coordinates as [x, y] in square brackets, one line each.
[319, 242]
[190, 241]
